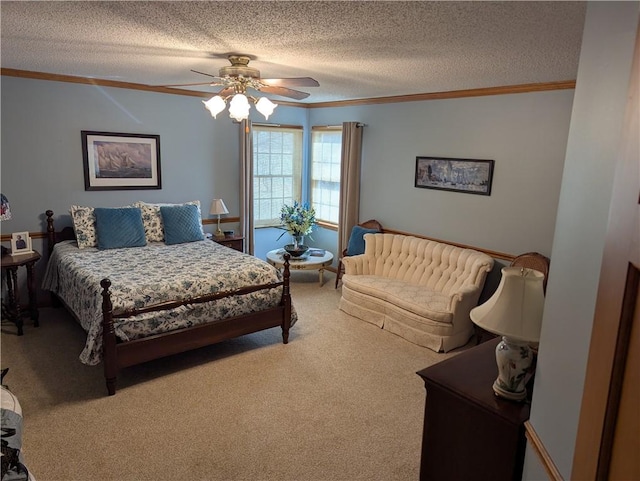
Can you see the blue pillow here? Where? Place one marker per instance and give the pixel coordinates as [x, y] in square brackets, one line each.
[356, 240]
[182, 223]
[119, 227]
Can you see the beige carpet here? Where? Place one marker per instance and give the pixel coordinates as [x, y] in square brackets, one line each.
[341, 401]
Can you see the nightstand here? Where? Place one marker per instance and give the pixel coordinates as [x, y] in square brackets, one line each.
[11, 264]
[235, 242]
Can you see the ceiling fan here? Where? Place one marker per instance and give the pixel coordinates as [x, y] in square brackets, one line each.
[238, 77]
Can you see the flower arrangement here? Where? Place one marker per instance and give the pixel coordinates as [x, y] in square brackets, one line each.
[298, 219]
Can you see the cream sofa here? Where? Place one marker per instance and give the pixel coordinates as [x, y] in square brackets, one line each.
[419, 289]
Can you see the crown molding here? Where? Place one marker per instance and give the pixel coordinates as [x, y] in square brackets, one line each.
[12, 72]
[452, 94]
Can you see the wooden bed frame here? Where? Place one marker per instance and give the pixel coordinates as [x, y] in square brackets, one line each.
[118, 354]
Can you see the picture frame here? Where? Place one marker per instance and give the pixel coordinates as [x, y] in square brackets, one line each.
[20, 243]
[117, 161]
[470, 176]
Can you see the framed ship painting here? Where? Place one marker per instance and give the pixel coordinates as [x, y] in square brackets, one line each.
[115, 161]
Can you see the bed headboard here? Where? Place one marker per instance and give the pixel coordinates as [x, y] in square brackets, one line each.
[54, 237]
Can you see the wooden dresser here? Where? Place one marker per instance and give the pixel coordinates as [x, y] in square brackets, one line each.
[469, 433]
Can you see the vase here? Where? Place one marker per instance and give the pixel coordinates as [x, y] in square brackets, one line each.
[297, 248]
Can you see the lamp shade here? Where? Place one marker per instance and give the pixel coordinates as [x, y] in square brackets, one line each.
[5, 209]
[265, 106]
[215, 105]
[239, 107]
[515, 309]
[218, 207]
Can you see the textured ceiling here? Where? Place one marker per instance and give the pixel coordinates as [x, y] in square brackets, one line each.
[354, 49]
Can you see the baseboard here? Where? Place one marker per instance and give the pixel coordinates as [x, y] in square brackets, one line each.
[542, 453]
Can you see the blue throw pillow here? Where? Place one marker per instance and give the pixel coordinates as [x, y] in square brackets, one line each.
[119, 227]
[356, 240]
[182, 223]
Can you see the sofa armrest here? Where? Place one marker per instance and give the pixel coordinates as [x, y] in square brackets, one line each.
[353, 264]
[466, 298]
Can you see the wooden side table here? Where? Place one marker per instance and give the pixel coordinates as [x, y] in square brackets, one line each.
[10, 264]
[235, 242]
[469, 433]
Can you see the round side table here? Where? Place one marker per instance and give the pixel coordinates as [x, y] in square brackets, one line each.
[308, 262]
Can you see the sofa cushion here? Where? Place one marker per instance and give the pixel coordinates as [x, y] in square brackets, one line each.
[414, 298]
[434, 265]
[356, 240]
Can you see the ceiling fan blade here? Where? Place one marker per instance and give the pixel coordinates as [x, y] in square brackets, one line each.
[291, 82]
[284, 92]
[204, 73]
[188, 85]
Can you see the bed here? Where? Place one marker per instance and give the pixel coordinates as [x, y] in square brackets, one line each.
[157, 298]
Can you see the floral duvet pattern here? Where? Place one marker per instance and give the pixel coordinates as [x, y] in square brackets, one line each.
[143, 276]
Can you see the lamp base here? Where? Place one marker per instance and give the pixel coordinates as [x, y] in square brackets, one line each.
[514, 359]
[218, 234]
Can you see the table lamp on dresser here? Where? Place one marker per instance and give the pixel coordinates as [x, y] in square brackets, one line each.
[515, 313]
[218, 208]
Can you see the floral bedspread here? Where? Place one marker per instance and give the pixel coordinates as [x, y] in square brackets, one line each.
[142, 276]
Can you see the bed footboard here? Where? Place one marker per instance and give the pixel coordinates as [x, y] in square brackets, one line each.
[117, 355]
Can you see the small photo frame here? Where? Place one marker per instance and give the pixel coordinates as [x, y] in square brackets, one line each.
[20, 243]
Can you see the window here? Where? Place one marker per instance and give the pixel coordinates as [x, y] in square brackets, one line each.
[326, 152]
[277, 171]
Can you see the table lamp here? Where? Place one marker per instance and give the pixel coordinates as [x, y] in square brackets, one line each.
[515, 313]
[218, 207]
[5, 214]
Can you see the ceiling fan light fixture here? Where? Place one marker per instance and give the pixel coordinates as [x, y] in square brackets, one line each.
[215, 105]
[239, 107]
[265, 107]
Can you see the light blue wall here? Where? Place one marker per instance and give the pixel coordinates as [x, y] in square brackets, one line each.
[525, 134]
[592, 154]
[42, 165]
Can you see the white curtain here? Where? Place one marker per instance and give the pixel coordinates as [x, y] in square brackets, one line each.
[246, 185]
[349, 181]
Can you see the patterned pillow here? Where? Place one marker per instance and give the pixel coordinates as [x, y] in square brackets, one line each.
[84, 225]
[152, 219]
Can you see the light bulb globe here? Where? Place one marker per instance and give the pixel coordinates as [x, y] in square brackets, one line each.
[265, 107]
[215, 105]
[239, 107]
